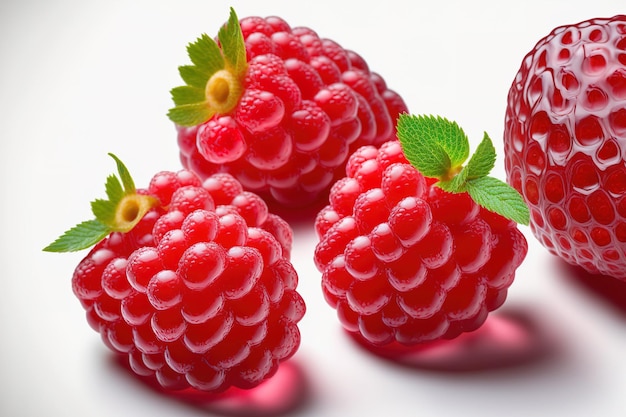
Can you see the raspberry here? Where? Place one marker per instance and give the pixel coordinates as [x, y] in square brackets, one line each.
[198, 290]
[281, 109]
[565, 143]
[404, 261]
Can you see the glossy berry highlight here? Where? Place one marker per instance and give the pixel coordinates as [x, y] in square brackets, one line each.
[278, 107]
[200, 292]
[565, 143]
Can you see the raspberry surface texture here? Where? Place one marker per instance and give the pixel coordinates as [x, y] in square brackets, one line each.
[404, 261]
[280, 109]
[200, 291]
[565, 143]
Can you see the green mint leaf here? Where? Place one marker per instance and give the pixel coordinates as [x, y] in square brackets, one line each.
[127, 180]
[187, 95]
[499, 197]
[81, 236]
[190, 114]
[104, 210]
[483, 160]
[421, 146]
[233, 45]
[193, 76]
[114, 189]
[434, 145]
[206, 55]
[454, 140]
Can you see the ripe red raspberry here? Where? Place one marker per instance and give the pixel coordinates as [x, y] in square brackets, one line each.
[279, 108]
[565, 143]
[403, 260]
[190, 280]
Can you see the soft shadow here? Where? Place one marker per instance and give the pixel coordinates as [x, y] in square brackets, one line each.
[508, 339]
[609, 290]
[286, 393]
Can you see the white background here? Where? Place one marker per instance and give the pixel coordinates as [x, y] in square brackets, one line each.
[82, 78]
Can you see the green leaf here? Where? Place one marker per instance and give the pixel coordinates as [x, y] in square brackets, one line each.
[421, 146]
[114, 189]
[483, 160]
[193, 76]
[206, 55]
[434, 145]
[81, 236]
[233, 44]
[499, 197]
[187, 95]
[190, 114]
[104, 210]
[453, 138]
[127, 180]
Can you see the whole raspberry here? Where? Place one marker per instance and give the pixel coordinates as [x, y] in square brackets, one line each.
[565, 143]
[407, 259]
[190, 280]
[279, 108]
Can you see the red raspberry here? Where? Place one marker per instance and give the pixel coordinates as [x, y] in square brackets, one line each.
[280, 109]
[404, 261]
[565, 143]
[199, 291]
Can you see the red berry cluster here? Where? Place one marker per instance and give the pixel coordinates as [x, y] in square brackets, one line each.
[565, 138]
[200, 292]
[404, 261]
[306, 103]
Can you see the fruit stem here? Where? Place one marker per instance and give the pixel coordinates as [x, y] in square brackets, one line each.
[451, 173]
[130, 210]
[223, 91]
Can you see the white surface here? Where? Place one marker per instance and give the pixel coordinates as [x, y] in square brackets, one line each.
[79, 79]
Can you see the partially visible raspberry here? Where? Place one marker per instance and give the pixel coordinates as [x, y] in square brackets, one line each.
[200, 291]
[285, 116]
[565, 143]
[404, 261]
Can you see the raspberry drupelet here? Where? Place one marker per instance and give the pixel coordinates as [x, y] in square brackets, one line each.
[279, 108]
[197, 290]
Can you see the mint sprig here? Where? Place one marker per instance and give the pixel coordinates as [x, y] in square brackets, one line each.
[214, 80]
[120, 212]
[438, 148]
